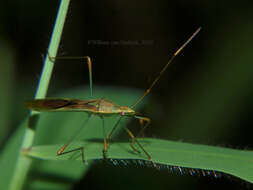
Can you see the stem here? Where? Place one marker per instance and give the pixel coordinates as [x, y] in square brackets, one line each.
[23, 163]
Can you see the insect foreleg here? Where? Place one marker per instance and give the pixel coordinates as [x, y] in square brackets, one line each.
[147, 120]
[134, 140]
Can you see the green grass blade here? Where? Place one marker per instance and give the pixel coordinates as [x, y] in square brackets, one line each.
[8, 156]
[235, 162]
[23, 164]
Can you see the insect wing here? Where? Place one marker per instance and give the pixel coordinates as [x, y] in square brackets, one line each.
[60, 104]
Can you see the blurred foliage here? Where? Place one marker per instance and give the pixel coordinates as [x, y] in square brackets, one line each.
[6, 87]
[205, 96]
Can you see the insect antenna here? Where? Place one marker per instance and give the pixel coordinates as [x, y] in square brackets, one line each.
[165, 67]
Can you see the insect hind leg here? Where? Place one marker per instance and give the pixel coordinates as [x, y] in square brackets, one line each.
[61, 152]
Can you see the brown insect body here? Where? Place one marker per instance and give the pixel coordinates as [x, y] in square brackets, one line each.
[95, 106]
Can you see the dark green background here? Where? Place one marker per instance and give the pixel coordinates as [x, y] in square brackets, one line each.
[204, 97]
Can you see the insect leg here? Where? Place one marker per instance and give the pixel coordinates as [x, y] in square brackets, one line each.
[90, 74]
[107, 138]
[134, 140]
[113, 129]
[141, 121]
[105, 141]
[73, 150]
[147, 120]
[61, 150]
[79, 57]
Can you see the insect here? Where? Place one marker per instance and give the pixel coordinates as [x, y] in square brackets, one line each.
[101, 108]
